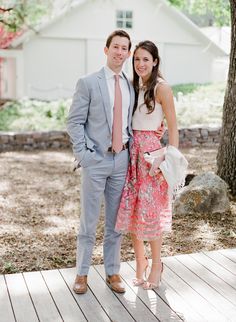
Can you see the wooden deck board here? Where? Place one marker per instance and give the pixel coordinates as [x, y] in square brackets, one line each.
[65, 303]
[109, 300]
[201, 290]
[154, 302]
[88, 302]
[43, 302]
[215, 268]
[192, 299]
[197, 279]
[178, 302]
[129, 299]
[20, 298]
[229, 253]
[212, 280]
[222, 260]
[197, 287]
[6, 314]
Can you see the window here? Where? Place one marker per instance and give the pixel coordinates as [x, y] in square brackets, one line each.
[124, 19]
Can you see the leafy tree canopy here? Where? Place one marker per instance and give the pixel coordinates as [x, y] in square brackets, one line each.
[205, 12]
[16, 15]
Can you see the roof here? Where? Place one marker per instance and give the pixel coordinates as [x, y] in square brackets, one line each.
[66, 10]
[219, 35]
[171, 9]
[194, 28]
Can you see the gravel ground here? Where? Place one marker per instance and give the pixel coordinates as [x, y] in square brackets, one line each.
[39, 213]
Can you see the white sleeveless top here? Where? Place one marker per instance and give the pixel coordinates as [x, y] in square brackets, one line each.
[143, 121]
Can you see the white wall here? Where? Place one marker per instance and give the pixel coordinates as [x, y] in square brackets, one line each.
[96, 19]
[73, 46]
[220, 68]
[186, 64]
[52, 67]
[95, 57]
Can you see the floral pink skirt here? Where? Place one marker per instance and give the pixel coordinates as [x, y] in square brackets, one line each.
[145, 207]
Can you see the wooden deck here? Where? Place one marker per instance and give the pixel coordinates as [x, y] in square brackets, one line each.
[196, 288]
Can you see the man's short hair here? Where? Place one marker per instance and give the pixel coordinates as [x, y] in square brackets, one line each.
[120, 33]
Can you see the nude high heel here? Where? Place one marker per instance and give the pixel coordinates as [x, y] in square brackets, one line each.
[149, 285]
[139, 280]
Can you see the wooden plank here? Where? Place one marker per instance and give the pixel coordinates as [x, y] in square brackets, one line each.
[229, 253]
[109, 301]
[6, 313]
[20, 298]
[176, 302]
[87, 302]
[192, 289]
[129, 299]
[222, 260]
[153, 301]
[215, 268]
[43, 302]
[192, 300]
[179, 305]
[131, 302]
[62, 296]
[211, 279]
[195, 287]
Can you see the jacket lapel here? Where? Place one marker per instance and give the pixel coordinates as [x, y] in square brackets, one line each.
[105, 95]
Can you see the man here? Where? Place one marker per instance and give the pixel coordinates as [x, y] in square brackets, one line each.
[99, 125]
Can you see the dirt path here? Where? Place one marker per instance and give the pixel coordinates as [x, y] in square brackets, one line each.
[39, 213]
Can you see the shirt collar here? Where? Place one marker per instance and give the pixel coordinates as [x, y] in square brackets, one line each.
[110, 74]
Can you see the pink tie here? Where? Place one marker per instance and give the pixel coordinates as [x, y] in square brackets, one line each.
[117, 118]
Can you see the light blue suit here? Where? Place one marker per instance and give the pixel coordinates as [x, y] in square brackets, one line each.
[103, 173]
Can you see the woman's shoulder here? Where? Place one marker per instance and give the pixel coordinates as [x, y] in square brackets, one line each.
[161, 82]
[162, 86]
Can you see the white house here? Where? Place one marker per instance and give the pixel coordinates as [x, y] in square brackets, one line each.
[220, 35]
[47, 64]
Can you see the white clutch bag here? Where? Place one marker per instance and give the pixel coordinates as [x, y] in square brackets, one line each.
[155, 158]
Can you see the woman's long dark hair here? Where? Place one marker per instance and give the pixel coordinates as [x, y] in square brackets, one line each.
[149, 95]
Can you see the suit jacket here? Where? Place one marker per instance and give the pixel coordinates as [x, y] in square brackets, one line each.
[89, 121]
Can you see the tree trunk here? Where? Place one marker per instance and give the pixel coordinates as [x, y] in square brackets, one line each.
[226, 157]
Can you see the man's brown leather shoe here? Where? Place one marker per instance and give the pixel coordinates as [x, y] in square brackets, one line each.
[115, 283]
[80, 284]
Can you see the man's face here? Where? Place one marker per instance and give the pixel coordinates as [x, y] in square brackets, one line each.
[117, 52]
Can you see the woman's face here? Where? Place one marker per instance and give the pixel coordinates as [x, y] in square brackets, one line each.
[143, 63]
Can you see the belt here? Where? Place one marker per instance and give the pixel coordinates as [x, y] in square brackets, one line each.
[124, 147]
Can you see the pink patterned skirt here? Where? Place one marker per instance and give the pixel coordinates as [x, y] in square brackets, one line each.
[145, 207]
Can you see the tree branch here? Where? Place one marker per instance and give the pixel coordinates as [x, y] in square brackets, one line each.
[5, 10]
[10, 25]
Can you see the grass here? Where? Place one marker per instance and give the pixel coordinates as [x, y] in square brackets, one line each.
[196, 104]
[186, 88]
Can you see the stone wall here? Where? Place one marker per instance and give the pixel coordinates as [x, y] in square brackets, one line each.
[33, 140]
[198, 136]
[189, 137]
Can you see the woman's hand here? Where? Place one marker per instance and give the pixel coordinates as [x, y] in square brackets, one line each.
[161, 130]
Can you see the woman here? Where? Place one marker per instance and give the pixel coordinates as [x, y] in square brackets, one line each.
[145, 208]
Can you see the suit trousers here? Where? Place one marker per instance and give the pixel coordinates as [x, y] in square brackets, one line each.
[104, 179]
